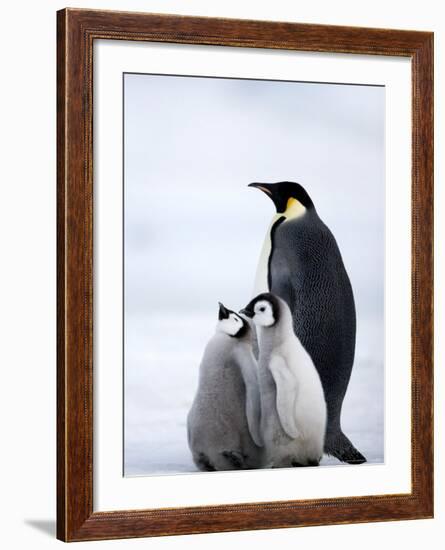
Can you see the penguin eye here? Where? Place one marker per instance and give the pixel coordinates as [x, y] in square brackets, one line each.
[262, 309]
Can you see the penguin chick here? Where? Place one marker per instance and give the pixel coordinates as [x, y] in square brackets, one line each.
[302, 264]
[223, 424]
[293, 408]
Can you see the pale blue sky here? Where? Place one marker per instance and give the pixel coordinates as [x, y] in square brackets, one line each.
[191, 147]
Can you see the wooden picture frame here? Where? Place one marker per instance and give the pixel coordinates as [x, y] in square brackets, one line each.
[76, 32]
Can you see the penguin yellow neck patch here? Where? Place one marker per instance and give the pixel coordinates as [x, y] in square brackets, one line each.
[294, 209]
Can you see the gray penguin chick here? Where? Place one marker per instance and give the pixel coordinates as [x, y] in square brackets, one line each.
[293, 407]
[223, 425]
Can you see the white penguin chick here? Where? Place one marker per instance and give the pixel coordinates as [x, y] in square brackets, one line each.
[223, 424]
[293, 407]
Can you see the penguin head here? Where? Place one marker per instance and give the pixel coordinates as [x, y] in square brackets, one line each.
[231, 323]
[288, 196]
[264, 310]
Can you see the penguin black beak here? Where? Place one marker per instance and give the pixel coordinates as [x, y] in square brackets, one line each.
[223, 312]
[265, 187]
[247, 312]
[273, 192]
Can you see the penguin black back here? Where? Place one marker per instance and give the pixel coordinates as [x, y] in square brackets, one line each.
[320, 298]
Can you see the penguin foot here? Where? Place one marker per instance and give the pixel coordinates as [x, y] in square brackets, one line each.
[203, 463]
[340, 447]
[236, 459]
[296, 464]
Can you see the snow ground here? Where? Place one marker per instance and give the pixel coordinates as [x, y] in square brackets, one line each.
[160, 386]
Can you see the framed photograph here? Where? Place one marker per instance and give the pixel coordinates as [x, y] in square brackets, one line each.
[245, 275]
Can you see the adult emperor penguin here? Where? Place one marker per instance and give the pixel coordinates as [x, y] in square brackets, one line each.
[302, 264]
[223, 425]
[293, 408]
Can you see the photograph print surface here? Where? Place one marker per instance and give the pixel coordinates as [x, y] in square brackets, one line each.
[253, 274]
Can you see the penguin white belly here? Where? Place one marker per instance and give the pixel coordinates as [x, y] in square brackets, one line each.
[261, 278]
[294, 210]
[309, 409]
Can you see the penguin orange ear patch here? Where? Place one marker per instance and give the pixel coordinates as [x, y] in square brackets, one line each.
[294, 208]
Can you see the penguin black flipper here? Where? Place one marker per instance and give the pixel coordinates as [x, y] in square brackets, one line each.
[306, 270]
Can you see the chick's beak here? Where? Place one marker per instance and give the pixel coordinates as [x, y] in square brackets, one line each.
[247, 312]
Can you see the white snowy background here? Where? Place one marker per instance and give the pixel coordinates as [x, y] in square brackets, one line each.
[193, 233]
